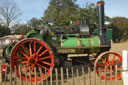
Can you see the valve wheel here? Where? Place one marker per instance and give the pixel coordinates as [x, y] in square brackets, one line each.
[108, 60]
[30, 54]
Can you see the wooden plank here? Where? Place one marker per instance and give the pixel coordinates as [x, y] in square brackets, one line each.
[83, 72]
[20, 76]
[89, 72]
[10, 75]
[111, 75]
[30, 76]
[105, 76]
[5, 76]
[67, 73]
[42, 82]
[0, 74]
[56, 72]
[116, 82]
[15, 75]
[62, 78]
[51, 77]
[95, 77]
[77, 73]
[46, 78]
[35, 73]
[72, 76]
[26, 82]
[100, 82]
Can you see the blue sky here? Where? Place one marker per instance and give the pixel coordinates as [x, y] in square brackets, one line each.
[36, 8]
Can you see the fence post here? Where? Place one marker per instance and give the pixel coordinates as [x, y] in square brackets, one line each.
[5, 76]
[21, 83]
[30, 75]
[83, 72]
[124, 67]
[100, 77]
[0, 75]
[56, 72]
[10, 74]
[89, 75]
[72, 76]
[95, 76]
[67, 73]
[77, 73]
[25, 76]
[116, 76]
[51, 78]
[62, 77]
[35, 73]
[42, 81]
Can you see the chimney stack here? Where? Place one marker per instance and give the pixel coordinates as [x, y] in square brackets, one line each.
[100, 7]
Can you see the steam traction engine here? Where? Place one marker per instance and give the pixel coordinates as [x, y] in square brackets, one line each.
[45, 49]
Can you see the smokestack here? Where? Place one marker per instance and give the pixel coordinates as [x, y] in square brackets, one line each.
[100, 7]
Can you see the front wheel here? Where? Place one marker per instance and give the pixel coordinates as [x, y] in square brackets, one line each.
[109, 60]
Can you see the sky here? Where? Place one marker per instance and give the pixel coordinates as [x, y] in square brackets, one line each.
[36, 8]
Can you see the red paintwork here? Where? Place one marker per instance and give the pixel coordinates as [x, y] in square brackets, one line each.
[29, 53]
[107, 63]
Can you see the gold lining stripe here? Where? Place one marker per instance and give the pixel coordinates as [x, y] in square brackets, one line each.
[99, 42]
[61, 43]
[92, 44]
[78, 43]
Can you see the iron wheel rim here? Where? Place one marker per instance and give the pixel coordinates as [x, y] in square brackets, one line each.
[107, 63]
[44, 56]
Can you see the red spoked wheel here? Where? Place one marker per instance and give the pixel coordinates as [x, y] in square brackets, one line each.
[32, 54]
[108, 60]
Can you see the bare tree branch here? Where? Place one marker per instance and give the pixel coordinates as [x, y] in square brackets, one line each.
[9, 13]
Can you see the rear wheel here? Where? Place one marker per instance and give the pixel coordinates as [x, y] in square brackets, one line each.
[32, 54]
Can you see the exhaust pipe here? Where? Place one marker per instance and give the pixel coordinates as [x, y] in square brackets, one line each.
[100, 8]
[104, 40]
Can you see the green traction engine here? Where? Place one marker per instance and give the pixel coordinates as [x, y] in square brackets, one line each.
[43, 49]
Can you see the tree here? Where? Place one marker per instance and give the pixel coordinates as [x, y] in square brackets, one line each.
[9, 12]
[4, 31]
[120, 28]
[20, 28]
[34, 22]
[88, 14]
[60, 12]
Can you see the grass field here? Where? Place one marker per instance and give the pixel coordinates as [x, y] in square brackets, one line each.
[119, 47]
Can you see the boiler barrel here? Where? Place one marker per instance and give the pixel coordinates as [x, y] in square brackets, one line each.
[80, 45]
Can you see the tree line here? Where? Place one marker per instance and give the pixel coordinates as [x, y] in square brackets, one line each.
[59, 15]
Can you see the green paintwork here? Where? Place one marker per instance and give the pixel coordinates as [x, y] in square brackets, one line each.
[33, 34]
[8, 49]
[68, 43]
[51, 37]
[90, 43]
[96, 44]
[108, 33]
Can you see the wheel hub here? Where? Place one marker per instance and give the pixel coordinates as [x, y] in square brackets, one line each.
[32, 61]
[109, 66]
